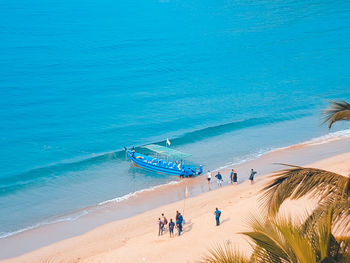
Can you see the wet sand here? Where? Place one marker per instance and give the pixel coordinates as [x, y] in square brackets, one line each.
[110, 241]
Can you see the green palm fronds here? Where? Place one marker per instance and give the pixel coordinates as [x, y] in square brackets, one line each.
[331, 189]
[296, 182]
[279, 240]
[339, 110]
[224, 254]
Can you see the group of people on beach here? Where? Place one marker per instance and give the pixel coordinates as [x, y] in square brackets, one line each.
[233, 177]
[163, 224]
[178, 224]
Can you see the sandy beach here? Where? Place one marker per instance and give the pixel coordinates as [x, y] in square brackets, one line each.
[136, 239]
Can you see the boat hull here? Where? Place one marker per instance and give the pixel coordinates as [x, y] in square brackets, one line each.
[138, 161]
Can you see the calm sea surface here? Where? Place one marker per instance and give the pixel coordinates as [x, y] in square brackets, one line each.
[224, 80]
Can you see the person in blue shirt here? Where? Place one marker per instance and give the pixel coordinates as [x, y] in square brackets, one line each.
[171, 227]
[182, 173]
[217, 214]
[219, 179]
[231, 176]
[179, 226]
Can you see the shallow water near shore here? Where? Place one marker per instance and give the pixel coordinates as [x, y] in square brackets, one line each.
[81, 221]
[226, 82]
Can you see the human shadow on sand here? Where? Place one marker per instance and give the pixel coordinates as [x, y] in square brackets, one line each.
[187, 227]
[225, 220]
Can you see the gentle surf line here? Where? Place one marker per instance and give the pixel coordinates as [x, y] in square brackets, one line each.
[30, 177]
[315, 141]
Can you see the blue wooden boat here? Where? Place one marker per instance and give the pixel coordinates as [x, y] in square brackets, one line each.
[174, 167]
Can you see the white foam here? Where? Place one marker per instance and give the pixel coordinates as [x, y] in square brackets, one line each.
[333, 136]
[129, 195]
[330, 137]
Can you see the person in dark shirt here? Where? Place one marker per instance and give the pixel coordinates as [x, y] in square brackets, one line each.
[217, 214]
[171, 227]
[235, 178]
[219, 179]
[182, 173]
[177, 216]
[160, 227]
[252, 174]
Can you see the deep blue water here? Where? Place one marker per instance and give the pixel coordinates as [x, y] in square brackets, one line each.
[224, 80]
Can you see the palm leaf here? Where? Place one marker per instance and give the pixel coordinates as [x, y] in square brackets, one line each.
[339, 110]
[296, 182]
[341, 215]
[224, 254]
[278, 240]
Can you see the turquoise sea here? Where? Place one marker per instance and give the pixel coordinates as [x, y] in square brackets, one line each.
[224, 80]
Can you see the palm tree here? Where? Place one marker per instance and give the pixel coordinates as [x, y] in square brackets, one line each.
[224, 254]
[339, 110]
[279, 240]
[331, 189]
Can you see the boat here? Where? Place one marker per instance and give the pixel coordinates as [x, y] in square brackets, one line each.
[155, 164]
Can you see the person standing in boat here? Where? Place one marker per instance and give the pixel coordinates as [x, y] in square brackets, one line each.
[182, 173]
[133, 151]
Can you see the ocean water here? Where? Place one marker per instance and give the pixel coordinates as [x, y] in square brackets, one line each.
[225, 80]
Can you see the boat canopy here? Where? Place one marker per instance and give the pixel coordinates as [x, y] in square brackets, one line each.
[166, 151]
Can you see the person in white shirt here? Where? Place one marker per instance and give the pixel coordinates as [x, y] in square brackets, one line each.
[209, 179]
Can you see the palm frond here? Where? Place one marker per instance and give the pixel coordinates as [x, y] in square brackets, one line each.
[296, 182]
[224, 254]
[341, 215]
[278, 240]
[339, 110]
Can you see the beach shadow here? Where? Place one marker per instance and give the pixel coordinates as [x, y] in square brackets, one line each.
[188, 226]
[225, 220]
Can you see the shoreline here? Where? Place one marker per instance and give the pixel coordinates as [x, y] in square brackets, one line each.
[135, 239]
[109, 211]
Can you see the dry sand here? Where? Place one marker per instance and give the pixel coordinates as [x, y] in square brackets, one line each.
[136, 239]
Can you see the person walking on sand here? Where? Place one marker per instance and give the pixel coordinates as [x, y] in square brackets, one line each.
[177, 216]
[160, 227]
[219, 179]
[171, 227]
[179, 225]
[209, 179]
[164, 220]
[235, 178]
[217, 214]
[252, 174]
[231, 176]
